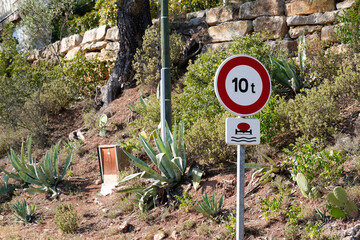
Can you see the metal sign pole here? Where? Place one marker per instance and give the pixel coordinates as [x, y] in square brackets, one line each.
[240, 192]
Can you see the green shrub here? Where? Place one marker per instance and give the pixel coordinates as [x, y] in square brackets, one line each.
[205, 141]
[66, 218]
[198, 98]
[146, 61]
[81, 24]
[107, 11]
[349, 27]
[85, 75]
[185, 6]
[315, 163]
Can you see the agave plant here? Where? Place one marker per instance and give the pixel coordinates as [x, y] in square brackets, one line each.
[6, 188]
[170, 161]
[285, 73]
[209, 207]
[46, 174]
[24, 212]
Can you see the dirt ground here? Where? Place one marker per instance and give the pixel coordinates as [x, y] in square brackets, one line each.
[101, 216]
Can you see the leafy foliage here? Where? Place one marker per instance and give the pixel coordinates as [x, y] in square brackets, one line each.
[66, 218]
[85, 75]
[185, 202]
[271, 206]
[315, 162]
[210, 208]
[146, 61]
[46, 174]
[349, 28]
[24, 212]
[170, 161]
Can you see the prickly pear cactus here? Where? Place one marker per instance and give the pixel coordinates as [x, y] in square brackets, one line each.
[340, 194]
[334, 201]
[314, 193]
[303, 184]
[351, 209]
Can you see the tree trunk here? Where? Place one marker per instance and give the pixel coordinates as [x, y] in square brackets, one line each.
[132, 21]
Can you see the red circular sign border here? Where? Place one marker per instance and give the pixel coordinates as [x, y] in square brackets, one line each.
[220, 89]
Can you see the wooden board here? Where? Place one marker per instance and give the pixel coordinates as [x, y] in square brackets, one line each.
[109, 160]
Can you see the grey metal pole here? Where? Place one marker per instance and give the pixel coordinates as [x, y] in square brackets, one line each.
[165, 70]
[240, 233]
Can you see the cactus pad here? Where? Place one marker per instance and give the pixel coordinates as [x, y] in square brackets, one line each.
[302, 183]
[337, 213]
[333, 200]
[351, 209]
[340, 194]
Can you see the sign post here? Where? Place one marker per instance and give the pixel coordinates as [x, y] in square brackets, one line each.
[243, 87]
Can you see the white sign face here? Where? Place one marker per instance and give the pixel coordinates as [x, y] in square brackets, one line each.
[242, 85]
[242, 131]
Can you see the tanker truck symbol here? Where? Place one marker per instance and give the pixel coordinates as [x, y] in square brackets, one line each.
[243, 133]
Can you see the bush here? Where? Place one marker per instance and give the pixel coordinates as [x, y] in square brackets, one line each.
[66, 218]
[349, 28]
[198, 98]
[185, 6]
[205, 141]
[84, 23]
[146, 62]
[107, 11]
[85, 75]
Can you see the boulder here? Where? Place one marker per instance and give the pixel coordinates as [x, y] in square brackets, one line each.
[35, 55]
[113, 34]
[199, 14]
[71, 54]
[296, 32]
[95, 35]
[313, 39]
[306, 7]
[90, 47]
[215, 16]
[227, 31]
[69, 43]
[112, 46]
[276, 26]
[345, 4]
[328, 34]
[254, 9]
[313, 19]
[92, 55]
[107, 56]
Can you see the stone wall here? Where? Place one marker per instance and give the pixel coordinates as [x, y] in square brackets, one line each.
[283, 21]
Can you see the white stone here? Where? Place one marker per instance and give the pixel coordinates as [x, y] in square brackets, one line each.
[113, 34]
[254, 9]
[313, 19]
[89, 47]
[112, 46]
[227, 31]
[345, 4]
[69, 43]
[71, 54]
[95, 35]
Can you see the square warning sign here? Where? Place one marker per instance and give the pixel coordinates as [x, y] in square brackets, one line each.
[242, 131]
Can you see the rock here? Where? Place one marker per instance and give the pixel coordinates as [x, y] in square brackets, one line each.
[220, 15]
[105, 210]
[56, 46]
[112, 46]
[316, 18]
[160, 236]
[305, 7]
[328, 34]
[95, 35]
[35, 55]
[197, 21]
[226, 31]
[296, 32]
[77, 134]
[276, 26]
[345, 4]
[124, 227]
[339, 49]
[107, 55]
[113, 34]
[198, 14]
[92, 55]
[254, 9]
[98, 182]
[313, 39]
[174, 235]
[288, 45]
[72, 53]
[90, 47]
[69, 43]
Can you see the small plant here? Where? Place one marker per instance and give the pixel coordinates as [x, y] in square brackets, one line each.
[185, 201]
[24, 212]
[293, 213]
[340, 205]
[231, 225]
[210, 208]
[66, 218]
[170, 161]
[320, 213]
[102, 123]
[313, 230]
[314, 162]
[285, 74]
[6, 187]
[305, 188]
[266, 170]
[271, 206]
[46, 174]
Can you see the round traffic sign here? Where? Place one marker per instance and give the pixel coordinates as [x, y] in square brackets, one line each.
[242, 85]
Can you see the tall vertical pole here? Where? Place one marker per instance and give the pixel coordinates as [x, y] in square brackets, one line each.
[240, 192]
[165, 85]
